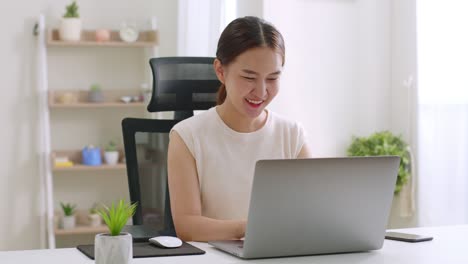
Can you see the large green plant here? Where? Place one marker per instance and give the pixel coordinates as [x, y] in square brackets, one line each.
[383, 144]
[71, 10]
[117, 216]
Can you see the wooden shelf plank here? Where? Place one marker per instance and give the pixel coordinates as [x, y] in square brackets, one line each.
[147, 38]
[75, 157]
[96, 105]
[80, 167]
[74, 99]
[81, 230]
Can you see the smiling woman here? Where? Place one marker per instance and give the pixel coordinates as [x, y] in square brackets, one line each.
[212, 156]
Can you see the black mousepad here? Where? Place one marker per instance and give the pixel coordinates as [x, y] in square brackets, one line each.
[147, 250]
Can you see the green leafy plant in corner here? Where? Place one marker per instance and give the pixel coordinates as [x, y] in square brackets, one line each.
[116, 216]
[384, 144]
[68, 209]
[111, 146]
[71, 10]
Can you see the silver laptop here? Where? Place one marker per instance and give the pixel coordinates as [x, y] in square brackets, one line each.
[317, 206]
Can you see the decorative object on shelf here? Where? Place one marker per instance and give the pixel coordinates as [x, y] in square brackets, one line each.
[95, 94]
[70, 25]
[67, 98]
[126, 99]
[62, 162]
[91, 156]
[382, 144]
[94, 217]
[128, 32]
[68, 220]
[115, 247]
[111, 154]
[102, 35]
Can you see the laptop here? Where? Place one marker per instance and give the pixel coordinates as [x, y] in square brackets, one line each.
[317, 206]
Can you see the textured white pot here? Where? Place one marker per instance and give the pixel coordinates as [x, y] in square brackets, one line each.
[70, 29]
[113, 249]
[111, 157]
[94, 220]
[68, 222]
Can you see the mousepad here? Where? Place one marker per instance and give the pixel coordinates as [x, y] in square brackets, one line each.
[147, 250]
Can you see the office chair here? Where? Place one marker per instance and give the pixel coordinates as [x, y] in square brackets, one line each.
[182, 85]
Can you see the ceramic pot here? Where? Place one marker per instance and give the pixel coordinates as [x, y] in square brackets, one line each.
[70, 29]
[113, 249]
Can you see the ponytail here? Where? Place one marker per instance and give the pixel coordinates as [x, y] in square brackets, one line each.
[221, 95]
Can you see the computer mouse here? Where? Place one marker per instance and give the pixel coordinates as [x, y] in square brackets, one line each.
[166, 241]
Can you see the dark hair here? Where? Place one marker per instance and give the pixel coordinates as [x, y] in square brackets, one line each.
[242, 34]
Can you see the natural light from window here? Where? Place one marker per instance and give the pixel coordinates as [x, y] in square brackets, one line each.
[442, 51]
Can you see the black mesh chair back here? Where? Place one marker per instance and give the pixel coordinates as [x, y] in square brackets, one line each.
[182, 85]
[145, 142]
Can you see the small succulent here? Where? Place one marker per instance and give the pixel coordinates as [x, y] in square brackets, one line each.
[111, 146]
[68, 208]
[93, 209]
[72, 11]
[95, 87]
[117, 216]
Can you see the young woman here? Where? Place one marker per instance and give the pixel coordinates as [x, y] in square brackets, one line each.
[212, 155]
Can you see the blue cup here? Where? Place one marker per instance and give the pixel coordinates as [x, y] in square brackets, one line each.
[91, 156]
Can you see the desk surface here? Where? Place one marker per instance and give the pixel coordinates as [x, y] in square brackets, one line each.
[450, 245]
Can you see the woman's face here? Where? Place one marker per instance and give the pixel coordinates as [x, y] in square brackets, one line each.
[251, 80]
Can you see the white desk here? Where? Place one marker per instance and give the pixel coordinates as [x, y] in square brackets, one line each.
[450, 245]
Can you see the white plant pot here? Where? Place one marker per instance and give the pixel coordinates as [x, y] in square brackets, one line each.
[113, 249]
[70, 29]
[68, 222]
[111, 157]
[94, 220]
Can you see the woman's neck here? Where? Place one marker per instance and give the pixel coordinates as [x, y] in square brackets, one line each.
[238, 122]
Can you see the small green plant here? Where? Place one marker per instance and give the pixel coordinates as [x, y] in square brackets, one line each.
[93, 209]
[111, 146]
[95, 87]
[68, 209]
[71, 10]
[383, 144]
[117, 216]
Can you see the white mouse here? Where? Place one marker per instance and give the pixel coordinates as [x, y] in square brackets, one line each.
[166, 241]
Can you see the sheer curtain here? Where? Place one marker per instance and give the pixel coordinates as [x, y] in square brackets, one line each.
[200, 24]
[443, 111]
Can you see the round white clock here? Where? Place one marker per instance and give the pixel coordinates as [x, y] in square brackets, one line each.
[128, 32]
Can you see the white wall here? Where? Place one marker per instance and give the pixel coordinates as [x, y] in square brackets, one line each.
[337, 75]
[19, 185]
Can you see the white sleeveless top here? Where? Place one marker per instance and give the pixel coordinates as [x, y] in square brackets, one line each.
[225, 159]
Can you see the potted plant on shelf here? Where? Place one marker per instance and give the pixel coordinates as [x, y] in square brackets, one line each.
[94, 217]
[70, 26]
[382, 144]
[111, 154]
[115, 247]
[95, 94]
[68, 220]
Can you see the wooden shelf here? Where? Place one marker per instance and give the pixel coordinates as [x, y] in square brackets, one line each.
[75, 157]
[81, 230]
[79, 99]
[88, 39]
[80, 167]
